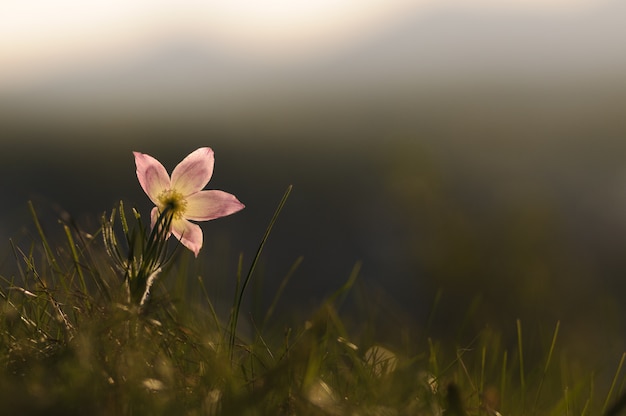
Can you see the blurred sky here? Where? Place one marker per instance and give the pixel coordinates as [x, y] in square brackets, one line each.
[37, 35]
[132, 52]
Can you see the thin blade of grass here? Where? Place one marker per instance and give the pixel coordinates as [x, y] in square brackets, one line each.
[75, 258]
[433, 310]
[590, 398]
[545, 369]
[231, 318]
[345, 288]
[239, 298]
[617, 407]
[18, 260]
[60, 314]
[280, 290]
[432, 358]
[49, 254]
[610, 393]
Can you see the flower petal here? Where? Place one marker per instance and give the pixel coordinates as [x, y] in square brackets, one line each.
[209, 205]
[152, 176]
[189, 234]
[194, 172]
[154, 215]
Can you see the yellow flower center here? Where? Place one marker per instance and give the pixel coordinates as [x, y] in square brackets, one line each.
[172, 201]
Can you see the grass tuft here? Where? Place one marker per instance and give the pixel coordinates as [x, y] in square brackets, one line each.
[79, 335]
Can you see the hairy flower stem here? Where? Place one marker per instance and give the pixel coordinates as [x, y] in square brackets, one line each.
[151, 260]
[146, 255]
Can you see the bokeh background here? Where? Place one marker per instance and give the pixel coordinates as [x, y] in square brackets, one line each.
[468, 151]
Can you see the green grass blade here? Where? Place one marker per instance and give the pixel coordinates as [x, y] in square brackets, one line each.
[545, 369]
[237, 305]
[433, 310]
[590, 398]
[281, 289]
[345, 288]
[231, 318]
[49, 254]
[75, 258]
[613, 383]
[432, 358]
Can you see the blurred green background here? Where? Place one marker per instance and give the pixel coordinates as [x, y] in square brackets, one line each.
[474, 150]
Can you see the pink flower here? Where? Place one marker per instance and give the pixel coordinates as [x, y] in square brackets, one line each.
[183, 194]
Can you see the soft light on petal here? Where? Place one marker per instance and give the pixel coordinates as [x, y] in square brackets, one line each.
[154, 215]
[184, 195]
[194, 172]
[209, 205]
[189, 234]
[152, 176]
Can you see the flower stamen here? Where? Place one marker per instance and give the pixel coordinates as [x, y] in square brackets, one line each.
[174, 202]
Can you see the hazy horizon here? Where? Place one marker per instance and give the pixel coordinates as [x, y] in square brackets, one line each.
[439, 48]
